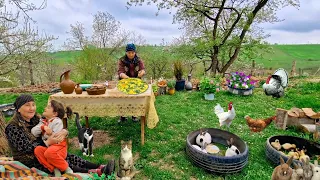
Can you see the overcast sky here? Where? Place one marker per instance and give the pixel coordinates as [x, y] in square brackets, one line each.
[300, 26]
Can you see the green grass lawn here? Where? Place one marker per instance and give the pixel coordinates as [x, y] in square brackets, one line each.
[163, 155]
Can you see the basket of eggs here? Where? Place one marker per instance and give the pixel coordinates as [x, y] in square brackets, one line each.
[96, 90]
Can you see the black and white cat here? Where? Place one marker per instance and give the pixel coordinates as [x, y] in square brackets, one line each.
[85, 136]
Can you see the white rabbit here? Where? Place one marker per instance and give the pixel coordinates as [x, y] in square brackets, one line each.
[199, 149]
[315, 170]
[297, 173]
[232, 150]
[202, 138]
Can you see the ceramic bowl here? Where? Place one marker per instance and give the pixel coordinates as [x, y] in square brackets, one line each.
[85, 86]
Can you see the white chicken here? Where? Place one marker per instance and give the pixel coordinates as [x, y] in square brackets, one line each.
[276, 83]
[225, 118]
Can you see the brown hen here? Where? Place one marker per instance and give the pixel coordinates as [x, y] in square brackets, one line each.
[257, 125]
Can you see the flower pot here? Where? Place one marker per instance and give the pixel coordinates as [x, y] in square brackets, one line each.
[244, 92]
[180, 85]
[171, 91]
[209, 97]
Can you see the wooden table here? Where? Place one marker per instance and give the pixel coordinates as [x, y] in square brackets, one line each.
[113, 103]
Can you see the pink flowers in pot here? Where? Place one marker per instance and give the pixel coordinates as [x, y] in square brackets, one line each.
[239, 80]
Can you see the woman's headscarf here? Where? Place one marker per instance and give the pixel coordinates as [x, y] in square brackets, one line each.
[21, 100]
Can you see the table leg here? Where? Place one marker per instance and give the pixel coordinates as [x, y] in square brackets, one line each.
[143, 121]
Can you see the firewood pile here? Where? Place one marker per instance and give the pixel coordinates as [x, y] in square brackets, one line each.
[44, 88]
[4, 147]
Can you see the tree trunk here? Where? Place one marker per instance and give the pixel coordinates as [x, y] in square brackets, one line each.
[31, 72]
[214, 67]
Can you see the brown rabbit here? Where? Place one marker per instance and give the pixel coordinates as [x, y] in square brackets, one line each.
[283, 171]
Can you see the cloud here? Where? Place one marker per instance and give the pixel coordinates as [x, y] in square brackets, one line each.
[56, 18]
[299, 25]
[285, 37]
[301, 20]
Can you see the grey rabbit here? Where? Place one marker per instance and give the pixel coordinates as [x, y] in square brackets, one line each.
[283, 171]
[307, 169]
[297, 172]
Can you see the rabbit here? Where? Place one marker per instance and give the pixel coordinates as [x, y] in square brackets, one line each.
[315, 170]
[283, 171]
[232, 149]
[297, 172]
[203, 138]
[307, 169]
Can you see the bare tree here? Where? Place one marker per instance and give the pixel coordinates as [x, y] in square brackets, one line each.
[78, 40]
[34, 49]
[11, 37]
[105, 26]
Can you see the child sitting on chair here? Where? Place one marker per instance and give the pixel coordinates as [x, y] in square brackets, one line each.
[52, 156]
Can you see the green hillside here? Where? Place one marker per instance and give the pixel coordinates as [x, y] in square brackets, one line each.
[306, 55]
[64, 56]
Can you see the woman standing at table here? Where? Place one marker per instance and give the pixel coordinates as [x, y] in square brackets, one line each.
[130, 66]
[22, 143]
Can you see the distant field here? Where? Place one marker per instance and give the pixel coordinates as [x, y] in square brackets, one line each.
[64, 56]
[307, 57]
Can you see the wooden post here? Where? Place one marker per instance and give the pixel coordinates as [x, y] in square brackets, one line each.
[253, 68]
[293, 70]
[143, 121]
[300, 72]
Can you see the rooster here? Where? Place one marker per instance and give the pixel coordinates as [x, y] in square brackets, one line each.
[258, 124]
[225, 118]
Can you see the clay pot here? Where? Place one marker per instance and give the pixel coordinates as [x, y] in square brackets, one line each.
[171, 91]
[67, 85]
[78, 89]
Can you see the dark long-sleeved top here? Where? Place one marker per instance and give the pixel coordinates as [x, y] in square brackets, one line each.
[130, 67]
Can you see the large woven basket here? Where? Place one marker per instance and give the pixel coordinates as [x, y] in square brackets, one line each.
[274, 156]
[214, 163]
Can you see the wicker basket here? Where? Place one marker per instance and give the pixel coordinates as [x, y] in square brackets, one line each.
[95, 90]
[274, 156]
[218, 164]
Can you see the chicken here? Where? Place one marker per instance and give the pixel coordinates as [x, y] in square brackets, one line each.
[225, 118]
[258, 124]
[276, 84]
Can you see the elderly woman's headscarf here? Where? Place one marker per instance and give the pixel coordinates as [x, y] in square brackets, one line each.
[21, 100]
[130, 47]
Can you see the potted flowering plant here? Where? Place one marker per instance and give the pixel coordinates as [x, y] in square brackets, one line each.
[209, 87]
[240, 83]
